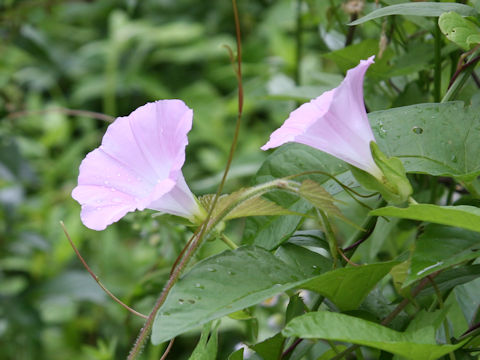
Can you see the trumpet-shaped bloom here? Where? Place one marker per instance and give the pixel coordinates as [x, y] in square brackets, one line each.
[138, 166]
[336, 122]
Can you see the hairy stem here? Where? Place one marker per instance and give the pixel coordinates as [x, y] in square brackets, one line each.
[206, 226]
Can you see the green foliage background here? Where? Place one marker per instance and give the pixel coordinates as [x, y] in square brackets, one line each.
[111, 57]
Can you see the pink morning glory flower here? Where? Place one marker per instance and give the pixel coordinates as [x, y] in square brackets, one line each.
[138, 166]
[336, 122]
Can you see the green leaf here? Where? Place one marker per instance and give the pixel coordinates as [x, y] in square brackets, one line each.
[464, 216]
[417, 9]
[304, 260]
[234, 280]
[295, 307]
[269, 232]
[436, 139]
[419, 344]
[271, 348]
[207, 346]
[440, 247]
[220, 285]
[348, 57]
[461, 31]
[348, 287]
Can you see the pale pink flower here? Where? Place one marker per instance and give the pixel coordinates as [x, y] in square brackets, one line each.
[138, 166]
[336, 122]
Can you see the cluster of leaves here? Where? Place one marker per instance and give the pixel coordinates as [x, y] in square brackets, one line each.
[287, 294]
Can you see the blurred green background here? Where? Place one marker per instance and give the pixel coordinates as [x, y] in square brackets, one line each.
[110, 57]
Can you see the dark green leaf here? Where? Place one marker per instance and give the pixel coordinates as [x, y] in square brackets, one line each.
[348, 57]
[270, 349]
[450, 278]
[347, 287]
[417, 9]
[440, 247]
[304, 260]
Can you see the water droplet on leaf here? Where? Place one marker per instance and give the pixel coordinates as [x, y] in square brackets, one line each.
[417, 130]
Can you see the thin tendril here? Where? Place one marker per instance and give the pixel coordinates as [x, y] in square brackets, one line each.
[95, 277]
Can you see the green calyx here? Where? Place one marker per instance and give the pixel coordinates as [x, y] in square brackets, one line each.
[394, 185]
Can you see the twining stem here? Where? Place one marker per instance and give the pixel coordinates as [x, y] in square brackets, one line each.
[360, 236]
[71, 112]
[206, 226]
[95, 277]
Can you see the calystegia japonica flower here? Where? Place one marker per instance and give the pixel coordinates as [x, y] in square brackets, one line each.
[139, 166]
[336, 122]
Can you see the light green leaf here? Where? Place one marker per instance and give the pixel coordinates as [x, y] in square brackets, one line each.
[436, 139]
[417, 9]
[464, 216]
[207, 346]
[419, 344]
[348, 287]
[220, 285]
[440, 247]
[461, 31]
